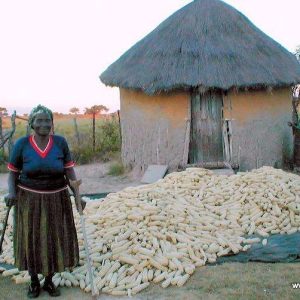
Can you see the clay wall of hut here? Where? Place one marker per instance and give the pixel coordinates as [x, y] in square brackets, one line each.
[261, 135]
[155, 129]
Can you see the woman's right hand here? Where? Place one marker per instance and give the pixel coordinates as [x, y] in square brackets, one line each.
[10, 200]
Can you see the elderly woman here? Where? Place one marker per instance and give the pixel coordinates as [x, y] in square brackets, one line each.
[45, 239]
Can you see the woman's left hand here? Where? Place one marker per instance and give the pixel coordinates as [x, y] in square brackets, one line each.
[83, 203]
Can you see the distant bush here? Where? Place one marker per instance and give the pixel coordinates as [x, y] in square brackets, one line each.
[83, 154]
[3, 161]
[109, 137]
[108, 142]
[116, 169]
[3, 168]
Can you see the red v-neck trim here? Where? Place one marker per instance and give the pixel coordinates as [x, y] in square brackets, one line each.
[40, 152]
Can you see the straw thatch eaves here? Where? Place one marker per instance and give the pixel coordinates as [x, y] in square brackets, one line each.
[206, 44]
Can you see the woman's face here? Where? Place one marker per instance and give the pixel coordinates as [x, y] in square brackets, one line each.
[42, 124]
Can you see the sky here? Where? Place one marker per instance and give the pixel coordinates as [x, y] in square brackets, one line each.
[53, 51]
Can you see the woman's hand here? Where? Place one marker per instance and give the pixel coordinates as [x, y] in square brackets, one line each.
[83, 204]
[10, 200]
[70, 174]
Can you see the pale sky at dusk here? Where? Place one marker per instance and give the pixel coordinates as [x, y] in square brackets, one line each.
[53, 51]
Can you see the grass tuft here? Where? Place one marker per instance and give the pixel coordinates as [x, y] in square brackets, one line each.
[116, 169]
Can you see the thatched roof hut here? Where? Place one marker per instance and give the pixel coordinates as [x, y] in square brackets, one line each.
[206, 50]
[206, 43]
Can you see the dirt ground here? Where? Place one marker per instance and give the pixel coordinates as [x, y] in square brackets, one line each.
[227, 281]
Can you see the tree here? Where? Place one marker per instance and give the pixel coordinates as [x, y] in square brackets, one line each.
[3, 111]
[94, 110]
[74, 110]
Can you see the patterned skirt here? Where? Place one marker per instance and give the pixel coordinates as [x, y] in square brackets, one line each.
[45, 239]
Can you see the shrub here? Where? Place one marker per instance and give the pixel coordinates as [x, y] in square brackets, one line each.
[116, 169]
[109, 137]
[3, 162]
[83, 154]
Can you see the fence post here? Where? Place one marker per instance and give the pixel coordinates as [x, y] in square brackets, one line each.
[8, 135]
[120, 131]
[94, 133]
[27, 129]
[76, 130]
[1, 134]
[13, 129]
[1, 139]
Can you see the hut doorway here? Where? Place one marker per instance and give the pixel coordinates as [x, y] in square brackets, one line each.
[206, 140]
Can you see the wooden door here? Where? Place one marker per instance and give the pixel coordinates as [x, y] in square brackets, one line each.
[206, 140]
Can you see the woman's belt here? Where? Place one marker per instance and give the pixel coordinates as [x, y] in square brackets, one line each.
[42, 191]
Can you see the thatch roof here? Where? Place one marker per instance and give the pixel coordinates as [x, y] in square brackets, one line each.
[206, 43]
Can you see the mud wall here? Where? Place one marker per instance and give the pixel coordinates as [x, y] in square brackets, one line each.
[260, 134]
[154, 128]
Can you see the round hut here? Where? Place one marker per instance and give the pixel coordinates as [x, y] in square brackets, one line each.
[206, 88]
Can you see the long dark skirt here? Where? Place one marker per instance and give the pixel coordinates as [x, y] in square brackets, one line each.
[45, 239]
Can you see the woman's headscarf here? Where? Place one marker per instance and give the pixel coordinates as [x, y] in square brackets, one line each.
[40, 109]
